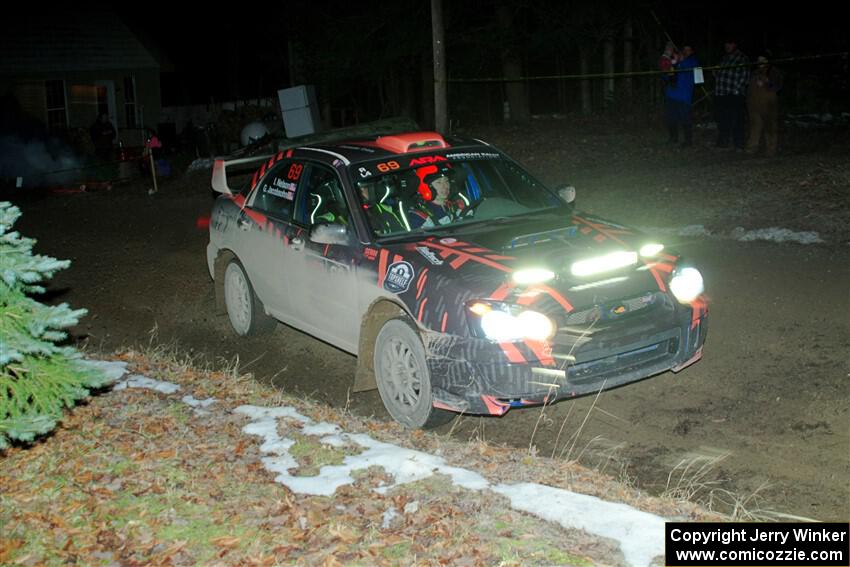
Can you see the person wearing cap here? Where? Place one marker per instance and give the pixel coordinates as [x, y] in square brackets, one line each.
[730, 91]
[763, 106]
[436, 207]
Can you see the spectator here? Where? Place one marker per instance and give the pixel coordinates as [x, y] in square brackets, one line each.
[102, 134]
[679, 96]
[763, 106]
[730, 92]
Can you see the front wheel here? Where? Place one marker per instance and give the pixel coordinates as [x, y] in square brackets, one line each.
[404, 381]
[244, 309]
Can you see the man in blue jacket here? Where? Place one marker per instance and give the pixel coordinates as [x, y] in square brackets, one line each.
[678, 97]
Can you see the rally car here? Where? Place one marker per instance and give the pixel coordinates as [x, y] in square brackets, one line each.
[462, 283]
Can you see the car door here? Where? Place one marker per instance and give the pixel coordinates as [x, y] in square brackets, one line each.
[324, 275]
[264, 224]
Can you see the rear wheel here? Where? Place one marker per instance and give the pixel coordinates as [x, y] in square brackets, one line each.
[404, 381]
[244, 309]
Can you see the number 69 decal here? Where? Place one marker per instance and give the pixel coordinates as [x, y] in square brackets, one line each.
[388, 166]
[294, 171]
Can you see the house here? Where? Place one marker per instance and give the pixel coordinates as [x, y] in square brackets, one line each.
[66, 66]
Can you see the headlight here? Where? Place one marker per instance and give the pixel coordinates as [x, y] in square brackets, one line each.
[606, 263]
[506, 322]
[650, 250]
[686, 284]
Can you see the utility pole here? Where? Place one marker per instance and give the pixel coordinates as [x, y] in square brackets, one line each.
[441, 110]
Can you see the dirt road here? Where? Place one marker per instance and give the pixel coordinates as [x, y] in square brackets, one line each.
[762, 422]
[765, 412]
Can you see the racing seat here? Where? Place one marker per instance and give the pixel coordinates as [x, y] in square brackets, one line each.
[327, 204]
[379, 199]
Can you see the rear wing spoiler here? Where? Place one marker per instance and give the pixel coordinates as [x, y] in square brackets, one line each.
[219, 174]
[382, 127]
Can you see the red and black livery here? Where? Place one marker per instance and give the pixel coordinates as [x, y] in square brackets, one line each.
[317, 263]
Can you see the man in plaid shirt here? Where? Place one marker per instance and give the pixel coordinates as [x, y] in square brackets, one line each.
[730, 96]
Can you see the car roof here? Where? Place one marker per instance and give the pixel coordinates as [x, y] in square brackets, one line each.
[366, 149]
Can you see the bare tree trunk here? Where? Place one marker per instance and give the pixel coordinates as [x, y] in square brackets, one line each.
[628, 61]
[441, 110]
[327, 114]
[233, 68]
[608, 69]
[586, 92]
[427, 71]
[560, 84]
[407, 104]
[515, 90]
[295, 64]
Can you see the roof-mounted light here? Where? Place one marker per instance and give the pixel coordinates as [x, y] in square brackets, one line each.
[411, 142]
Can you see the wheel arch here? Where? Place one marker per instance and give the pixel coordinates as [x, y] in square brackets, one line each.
[220, 265]
[381, 311]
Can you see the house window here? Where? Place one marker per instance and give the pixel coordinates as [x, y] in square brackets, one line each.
[130, 115]
[57, 114]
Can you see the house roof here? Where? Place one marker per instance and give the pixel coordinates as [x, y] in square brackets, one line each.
[65, 40]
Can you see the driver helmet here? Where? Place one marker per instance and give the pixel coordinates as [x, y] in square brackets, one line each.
[427, 175]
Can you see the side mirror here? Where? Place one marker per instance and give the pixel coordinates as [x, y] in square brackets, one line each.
[567, 193]
[327, 233]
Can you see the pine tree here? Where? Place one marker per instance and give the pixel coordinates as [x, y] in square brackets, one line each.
[38, 377]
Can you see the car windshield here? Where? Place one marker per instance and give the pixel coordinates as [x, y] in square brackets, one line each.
[440, 192]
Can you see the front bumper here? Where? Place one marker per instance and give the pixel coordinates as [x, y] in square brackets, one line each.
[476, 376]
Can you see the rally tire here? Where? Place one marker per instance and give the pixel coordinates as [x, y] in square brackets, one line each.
[403, 379]
[245, 311]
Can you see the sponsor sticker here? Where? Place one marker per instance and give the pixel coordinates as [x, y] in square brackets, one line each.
[424, 160]
[281, 188]
[358, 148]
[429, 255]
[473, 155]
[448, 241]
[399, 276]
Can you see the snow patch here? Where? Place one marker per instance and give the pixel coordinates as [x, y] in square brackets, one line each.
[389, 516]
[320, 429]
[772, 234]
[139, 381]
[195, 403]
[257, 413]
[639, 534]
[198, 406]
[114, 370]
[775, 234]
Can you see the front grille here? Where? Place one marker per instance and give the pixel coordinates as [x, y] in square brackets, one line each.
[632, 360]
[618, 309]
[620, 337]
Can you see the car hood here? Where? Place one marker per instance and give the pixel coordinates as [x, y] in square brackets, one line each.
[479, 260]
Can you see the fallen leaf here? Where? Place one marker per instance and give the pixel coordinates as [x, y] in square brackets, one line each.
[225, 541]
[7, 547]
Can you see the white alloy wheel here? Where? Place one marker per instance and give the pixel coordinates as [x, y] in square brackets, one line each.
[246, 313]
[404, 381]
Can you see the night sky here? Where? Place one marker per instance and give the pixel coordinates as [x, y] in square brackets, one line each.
[245, 52]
